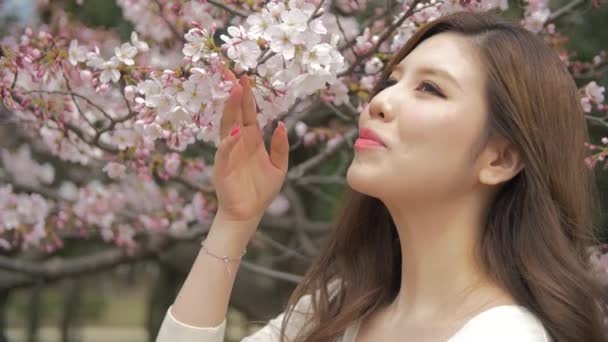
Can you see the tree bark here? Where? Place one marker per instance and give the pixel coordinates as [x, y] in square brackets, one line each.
[70, 331]
[33, 313]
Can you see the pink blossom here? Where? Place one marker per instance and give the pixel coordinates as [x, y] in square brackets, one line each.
[172, 163]
[594, 92]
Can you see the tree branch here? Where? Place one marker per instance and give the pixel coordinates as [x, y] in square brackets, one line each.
[271, 273]
[71, 93]
[166, 21]
[564, 10]
[384, 13]
[302, 168]
[61, 268]
[80, 113]
[300, 215]
[312, 180]
[228, 9]
[360, 58]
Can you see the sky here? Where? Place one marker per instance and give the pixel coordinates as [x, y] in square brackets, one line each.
[24, 10]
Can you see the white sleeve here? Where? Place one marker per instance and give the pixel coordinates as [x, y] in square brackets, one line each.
[172, 330]
[503, 324]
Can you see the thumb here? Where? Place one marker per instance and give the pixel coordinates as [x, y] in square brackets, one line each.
[279, 147]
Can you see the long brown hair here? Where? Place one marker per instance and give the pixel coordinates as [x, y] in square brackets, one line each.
[539, 225]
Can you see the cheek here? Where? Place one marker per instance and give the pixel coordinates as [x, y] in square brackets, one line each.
[427, 122]
[433, 153]
[429, 157]
[438, 130]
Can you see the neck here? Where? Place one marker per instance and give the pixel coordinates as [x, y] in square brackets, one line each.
[439, 268]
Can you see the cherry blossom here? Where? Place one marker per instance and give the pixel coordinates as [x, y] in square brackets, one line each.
[198, 44]
[115, 170]
[125, 53]
[134, 112]
[241, 50]
[77, 54]
[594, 92]
[141, 46]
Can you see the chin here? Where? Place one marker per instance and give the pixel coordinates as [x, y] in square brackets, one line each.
[361, 181]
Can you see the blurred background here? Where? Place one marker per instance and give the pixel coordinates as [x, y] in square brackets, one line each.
[125, 301]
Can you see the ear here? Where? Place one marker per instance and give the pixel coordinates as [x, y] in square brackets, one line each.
[499, 162]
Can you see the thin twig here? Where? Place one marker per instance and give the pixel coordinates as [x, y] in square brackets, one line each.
[386, 12]
[167, 22]
[302, 168]
[271, 273]
[564, 10]
[70, 93]
[352, 49]
[410, 11]
[194, 186]
[338, 112]
[288, 251]
[597, 120]
[15, 80]
[317, 192]
[228, 9]
[300, 215]
[314, 13]
[316, 179]
[76, 130]
[80, 113]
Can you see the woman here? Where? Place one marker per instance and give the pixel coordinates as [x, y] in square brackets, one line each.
[469, 214]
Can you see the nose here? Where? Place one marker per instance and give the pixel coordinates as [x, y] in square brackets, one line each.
[379, 108]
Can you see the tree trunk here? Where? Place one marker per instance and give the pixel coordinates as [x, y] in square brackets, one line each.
[70, 331]
[162, 294]
[33, 313]
[4, 296]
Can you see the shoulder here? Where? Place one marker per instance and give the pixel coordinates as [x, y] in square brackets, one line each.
[304, 304]
[296, 321]
[501, 324]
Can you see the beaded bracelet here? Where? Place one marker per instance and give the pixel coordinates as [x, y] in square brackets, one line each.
[224, 258]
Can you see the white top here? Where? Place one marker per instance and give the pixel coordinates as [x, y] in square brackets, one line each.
[504, 323]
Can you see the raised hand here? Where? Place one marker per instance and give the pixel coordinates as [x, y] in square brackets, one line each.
[246, 176]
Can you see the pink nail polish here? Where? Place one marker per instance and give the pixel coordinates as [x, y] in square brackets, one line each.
[235, 131]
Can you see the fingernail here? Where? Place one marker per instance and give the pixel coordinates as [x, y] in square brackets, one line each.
[235, 130]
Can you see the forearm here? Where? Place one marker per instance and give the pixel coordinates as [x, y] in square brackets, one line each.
[204, 297]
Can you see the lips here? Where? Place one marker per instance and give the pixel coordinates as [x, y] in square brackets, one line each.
[368, 138]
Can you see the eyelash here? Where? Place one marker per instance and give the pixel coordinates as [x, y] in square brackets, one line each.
[388, 82]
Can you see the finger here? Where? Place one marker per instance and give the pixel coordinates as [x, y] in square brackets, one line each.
[248, 105]
[222, 155]
[279, 147]
[228, 74]
[232, 114]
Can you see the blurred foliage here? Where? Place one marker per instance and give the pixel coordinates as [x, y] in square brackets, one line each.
[587, 32]
[52, 300]
[99, 13]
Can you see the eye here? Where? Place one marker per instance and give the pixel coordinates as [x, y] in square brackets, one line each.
[385, 83]
[429, 87]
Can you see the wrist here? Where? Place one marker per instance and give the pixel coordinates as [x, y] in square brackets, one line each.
[220, 216]
[230, 237]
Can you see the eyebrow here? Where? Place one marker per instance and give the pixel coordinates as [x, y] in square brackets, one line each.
[427, 70]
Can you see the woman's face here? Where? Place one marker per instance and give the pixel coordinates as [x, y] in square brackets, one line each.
[429, 119]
